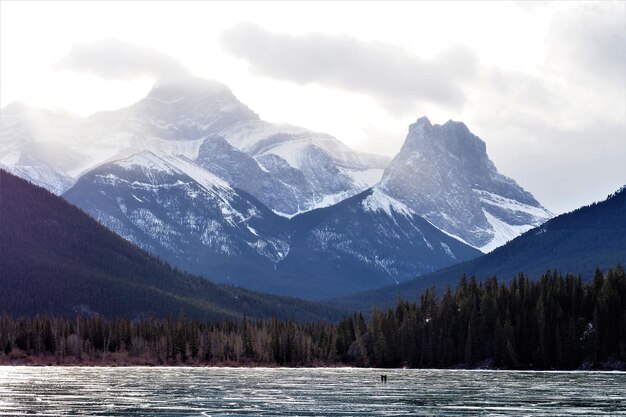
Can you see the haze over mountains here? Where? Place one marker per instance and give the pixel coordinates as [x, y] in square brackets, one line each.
[53, 149]
[194, 176]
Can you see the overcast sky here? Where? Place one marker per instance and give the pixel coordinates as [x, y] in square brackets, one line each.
[544, 84]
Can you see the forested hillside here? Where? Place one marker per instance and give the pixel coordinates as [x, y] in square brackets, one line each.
[557, 322]
[590, 237]
[55, 259]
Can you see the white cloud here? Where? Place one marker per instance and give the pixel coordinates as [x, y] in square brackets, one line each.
[559, 130]
[544, 87]
[562, 132]
[590, 41]
[385, 71]
[113, 59]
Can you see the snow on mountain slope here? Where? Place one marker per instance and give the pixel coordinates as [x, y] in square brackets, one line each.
[257, 137]
[503, 232]
[524, 212]
[521, 217]
[443, 173]
[201, 176]
[364, 178]
[367, 241]
[178, 211]
[269, 178]
[28, 149]
[379, 201]
[41, 175]
[304, 178]
[246, 135]
[332, 170]
[175, 118]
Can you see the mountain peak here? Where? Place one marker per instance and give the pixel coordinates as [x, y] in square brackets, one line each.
[15, 107]
[189, 108]
[420, 123]
[456, 125]
[444, 174]
[190, 98]
[451, 138]
[189, 87]
[451, 125]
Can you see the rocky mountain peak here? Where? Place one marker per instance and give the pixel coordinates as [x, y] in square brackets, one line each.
[189, 108]
[452, 139]
[190, 88]
[444, 174]
[421, 123]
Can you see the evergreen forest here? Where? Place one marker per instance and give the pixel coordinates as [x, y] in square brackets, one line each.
[556, 322]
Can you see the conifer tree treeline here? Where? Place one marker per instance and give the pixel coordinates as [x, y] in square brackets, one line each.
[556, 322]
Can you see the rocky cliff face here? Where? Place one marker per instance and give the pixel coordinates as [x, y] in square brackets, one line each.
[444, 174]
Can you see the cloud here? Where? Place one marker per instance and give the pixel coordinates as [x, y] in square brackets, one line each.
[113, 59]
[382, 141]
[563, 167]
[558, 128]
[387, 72]
[590, 40]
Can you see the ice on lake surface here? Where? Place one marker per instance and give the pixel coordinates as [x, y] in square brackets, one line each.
[306, 392]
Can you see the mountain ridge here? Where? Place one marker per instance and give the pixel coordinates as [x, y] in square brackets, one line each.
[161, 205]
[194, 176]
[173, 117]
[54, 259]
[578, 242]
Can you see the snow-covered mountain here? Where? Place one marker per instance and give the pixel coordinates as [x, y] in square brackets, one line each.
[183, 214]
[28, 145]
[318, 181]
[174, 208]
[443, 173]
[194, 176]
[54, 149]
[333, 170]
[365, 241]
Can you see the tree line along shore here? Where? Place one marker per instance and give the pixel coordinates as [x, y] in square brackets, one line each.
[555, 322]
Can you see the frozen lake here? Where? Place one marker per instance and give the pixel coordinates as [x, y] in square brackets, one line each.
[306, 392]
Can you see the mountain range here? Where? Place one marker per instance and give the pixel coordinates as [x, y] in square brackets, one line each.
[578, 242]
[194, 176]
[308, 169]
[55, 259]
[195, 220]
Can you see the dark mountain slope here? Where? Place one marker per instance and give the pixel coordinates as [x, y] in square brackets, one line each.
[367, 240]
[591, 237]
[55, 259]
[200, 224]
